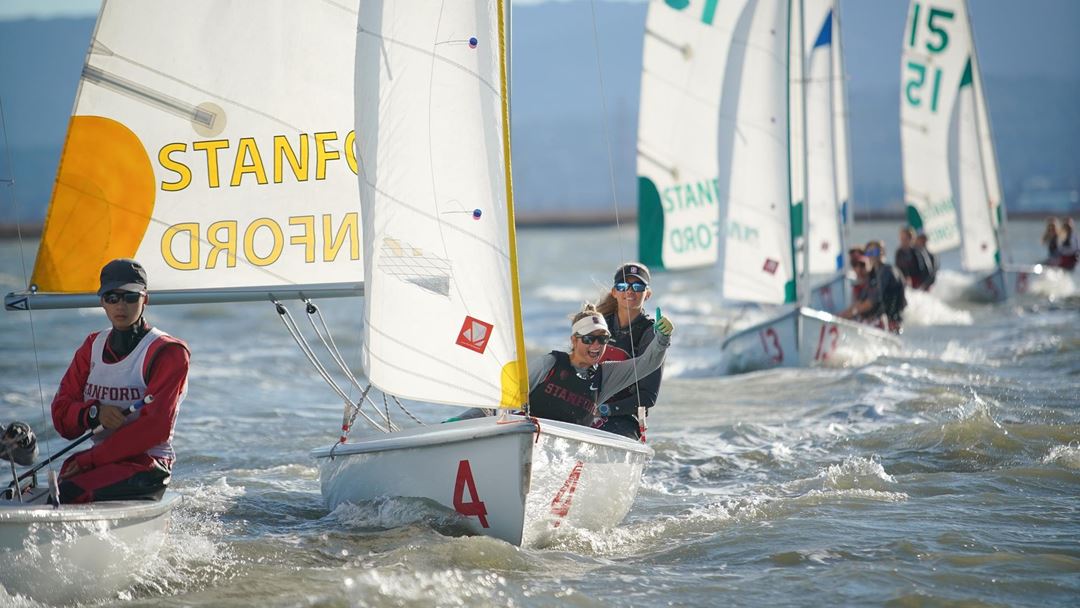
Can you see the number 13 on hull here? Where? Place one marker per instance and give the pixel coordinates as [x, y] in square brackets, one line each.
[804, 338]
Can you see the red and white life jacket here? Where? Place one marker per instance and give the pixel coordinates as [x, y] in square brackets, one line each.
[122, 383]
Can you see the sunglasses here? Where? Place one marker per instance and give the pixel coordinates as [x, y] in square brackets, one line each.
[591, 339]
[635, 287]
[129, 297]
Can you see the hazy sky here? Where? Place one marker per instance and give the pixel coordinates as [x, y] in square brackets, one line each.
[1035, 37]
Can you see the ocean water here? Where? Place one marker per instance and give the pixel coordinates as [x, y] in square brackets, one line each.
[946, 474]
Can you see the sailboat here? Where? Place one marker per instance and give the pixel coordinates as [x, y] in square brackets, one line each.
[442, 312]
[951, 183]
[724, 168]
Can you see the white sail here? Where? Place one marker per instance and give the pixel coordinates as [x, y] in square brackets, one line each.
[950, 171]
[979, 249]
[683, 68]
[936, 48]
[825, 151]
[442, 316]
[757, 180]
[841, 138]
[988, 156]
[213, 142]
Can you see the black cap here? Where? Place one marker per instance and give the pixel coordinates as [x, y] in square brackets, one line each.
[123, 274]
[632, 270]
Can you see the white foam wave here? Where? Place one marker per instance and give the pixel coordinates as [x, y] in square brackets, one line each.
[931, 308]
[953, 352]
[195, 553]
[1054, 283]
[1067, 456]
[820, 496]
[856, 473]
[453, 587]
[628, 539]
[394, 512]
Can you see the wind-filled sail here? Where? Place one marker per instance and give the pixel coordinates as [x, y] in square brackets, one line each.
[683, 68]
[977, 205]
[936, 48]
[213, 142]
[442, 320]
[760, 188]
[950, 172]
[826, 150]
[844, 189]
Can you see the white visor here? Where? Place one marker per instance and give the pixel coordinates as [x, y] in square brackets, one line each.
[589, 324]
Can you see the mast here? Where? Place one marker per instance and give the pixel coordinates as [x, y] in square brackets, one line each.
[801, 282]
[522, 383]
[847, 206]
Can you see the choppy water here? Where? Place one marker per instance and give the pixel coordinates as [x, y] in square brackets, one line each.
[948, 474]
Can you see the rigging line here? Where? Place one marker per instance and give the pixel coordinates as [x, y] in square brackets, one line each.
[615, 200]
[328, 342]
[335, 354]
[347, 419]
[407, 412]
[294, 331]
[10, 182]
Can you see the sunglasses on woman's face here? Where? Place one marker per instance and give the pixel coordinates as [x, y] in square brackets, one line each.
[590, 339]
[636, 287]
[129, 297]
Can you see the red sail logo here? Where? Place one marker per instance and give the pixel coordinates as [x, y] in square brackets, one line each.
[474, 334]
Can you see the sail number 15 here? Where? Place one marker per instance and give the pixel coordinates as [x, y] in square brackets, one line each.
[937, 41]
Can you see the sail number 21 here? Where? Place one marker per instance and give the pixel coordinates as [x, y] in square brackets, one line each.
[937, 41]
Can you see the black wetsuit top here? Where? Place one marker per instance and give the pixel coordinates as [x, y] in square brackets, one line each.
[564, 394]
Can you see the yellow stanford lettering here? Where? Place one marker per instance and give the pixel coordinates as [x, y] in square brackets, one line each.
[244, 161]
[193, 246]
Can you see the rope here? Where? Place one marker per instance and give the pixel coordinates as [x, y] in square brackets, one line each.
[407, 412]
[294, 331]
[328, 342]
[10, 182]
[615, 202]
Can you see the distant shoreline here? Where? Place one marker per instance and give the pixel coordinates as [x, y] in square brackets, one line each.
[562, 219]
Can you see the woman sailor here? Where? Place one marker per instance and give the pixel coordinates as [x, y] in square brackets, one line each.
[568, 386]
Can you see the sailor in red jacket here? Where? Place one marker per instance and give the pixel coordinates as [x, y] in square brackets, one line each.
[113, 369]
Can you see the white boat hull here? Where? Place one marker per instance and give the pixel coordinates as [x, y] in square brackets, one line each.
[509, 479]
[79, 552]
[1005, 283]
[831, 295]
[804, 338]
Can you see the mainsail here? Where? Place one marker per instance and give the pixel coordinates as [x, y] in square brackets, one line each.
[761, 177]
[223, 160]
[442, 316]
[683, 65]
[717, 172]
[950, 172]
[827, 158]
